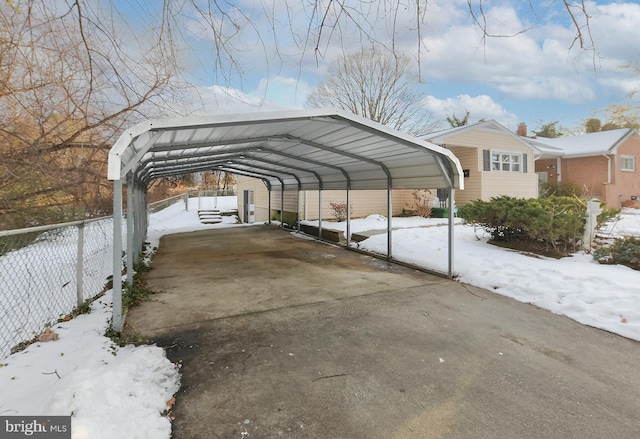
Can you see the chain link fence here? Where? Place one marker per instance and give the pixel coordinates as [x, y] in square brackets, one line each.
[46, 272]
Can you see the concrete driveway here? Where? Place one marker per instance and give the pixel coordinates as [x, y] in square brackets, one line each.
[284, 337]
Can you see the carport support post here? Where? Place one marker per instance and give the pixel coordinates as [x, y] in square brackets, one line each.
[348, 216]
[117, 321]
[131, 232]
[320, 213]
[298, 210]
[451, 218]
[282, 207]
[144, 214]
[269, 208]
[137, 222]
[141, 214]
[389, 220]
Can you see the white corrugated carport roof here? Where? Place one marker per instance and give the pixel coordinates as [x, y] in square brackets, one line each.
[293, 150]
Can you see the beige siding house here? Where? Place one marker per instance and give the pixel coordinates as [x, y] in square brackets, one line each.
[604, 164]
[363, 202]
[495, 161]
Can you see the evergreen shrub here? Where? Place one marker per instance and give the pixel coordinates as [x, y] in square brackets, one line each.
[623, 251]
[550, 224]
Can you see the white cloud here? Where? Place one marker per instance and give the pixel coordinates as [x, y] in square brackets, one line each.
[280, 38]
[479, 107]
[279, 93]
[540, 62]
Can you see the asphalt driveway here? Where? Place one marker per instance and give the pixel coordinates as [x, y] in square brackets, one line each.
[284, 337]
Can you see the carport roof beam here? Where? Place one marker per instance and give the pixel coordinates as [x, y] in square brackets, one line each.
[262, 177]
[206, 166]
[196, 166]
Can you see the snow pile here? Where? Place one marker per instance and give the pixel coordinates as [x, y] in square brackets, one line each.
[145, 382]
[111, 392]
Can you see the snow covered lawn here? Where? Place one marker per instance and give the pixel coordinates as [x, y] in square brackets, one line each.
[112, 392]
[123, 392]
[603, 296]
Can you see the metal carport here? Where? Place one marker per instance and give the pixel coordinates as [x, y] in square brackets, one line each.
[290, 151]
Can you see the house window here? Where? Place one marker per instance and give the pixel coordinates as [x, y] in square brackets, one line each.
[506, 162]
[628, 163]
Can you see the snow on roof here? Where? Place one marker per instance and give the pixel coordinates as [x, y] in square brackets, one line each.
[437, 136]
[603, 142]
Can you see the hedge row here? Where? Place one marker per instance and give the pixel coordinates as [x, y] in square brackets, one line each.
[557, 223]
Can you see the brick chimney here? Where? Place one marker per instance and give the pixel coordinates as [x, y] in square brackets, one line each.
[522, 129]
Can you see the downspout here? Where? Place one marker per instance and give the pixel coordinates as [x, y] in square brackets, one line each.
[606, 191]
[608, 168]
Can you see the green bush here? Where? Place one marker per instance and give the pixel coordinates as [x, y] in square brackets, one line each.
[290, 218]
[623, 251]
[551, 223]
[560, 189]
[607, 214]
[439, 212]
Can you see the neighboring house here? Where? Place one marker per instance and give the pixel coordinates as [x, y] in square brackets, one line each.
[495, 161]
[603, 164]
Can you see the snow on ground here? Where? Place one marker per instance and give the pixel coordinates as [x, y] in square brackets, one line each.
[112, 392]
[626, 224]
[122, 392]
[603, 296]
[175, 219]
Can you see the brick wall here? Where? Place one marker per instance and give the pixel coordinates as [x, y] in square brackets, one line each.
[590, 173]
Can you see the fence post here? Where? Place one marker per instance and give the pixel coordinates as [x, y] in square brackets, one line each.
[80, 265]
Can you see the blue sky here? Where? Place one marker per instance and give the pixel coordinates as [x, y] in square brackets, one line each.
[529, 70]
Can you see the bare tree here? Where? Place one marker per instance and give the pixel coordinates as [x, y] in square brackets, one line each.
[456, 121]
[549, 130]
[615, 116]
[376, 85]
[635, 72]
[74, 74]
[68, 88]
[316, 26]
